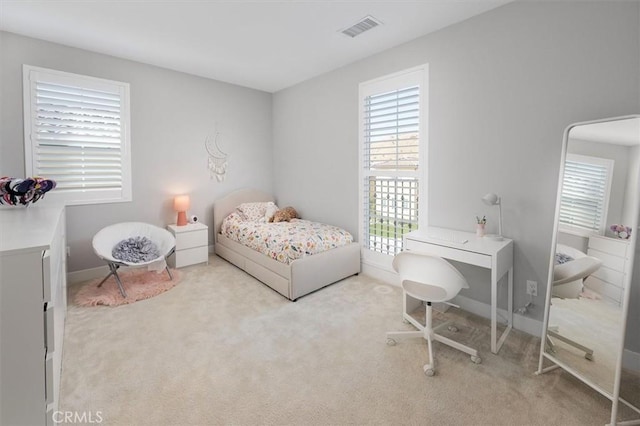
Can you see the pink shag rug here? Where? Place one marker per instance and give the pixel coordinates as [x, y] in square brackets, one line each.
[139, 284]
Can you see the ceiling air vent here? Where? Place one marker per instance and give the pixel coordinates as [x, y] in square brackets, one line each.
[365, 24]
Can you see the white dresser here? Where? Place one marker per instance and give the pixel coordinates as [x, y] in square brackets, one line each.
[608, 281]
[33, 302]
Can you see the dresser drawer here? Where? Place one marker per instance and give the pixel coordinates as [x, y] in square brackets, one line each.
[49, 329]
[46, 276]
[603, 288]
[609, 275]
[610, 261]
[609, 245]
[186, 240]
[48, 381]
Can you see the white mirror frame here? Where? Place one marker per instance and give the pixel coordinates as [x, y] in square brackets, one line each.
[615, 397]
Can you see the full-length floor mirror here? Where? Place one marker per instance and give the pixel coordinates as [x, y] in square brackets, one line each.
[590, 288]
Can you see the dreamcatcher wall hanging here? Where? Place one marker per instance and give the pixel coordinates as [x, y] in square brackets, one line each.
[217, 158]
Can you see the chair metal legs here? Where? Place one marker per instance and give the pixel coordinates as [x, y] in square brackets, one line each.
[428, 333]
[113, 270]
[553, 332]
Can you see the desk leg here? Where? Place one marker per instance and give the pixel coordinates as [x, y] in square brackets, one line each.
[505, 333]
[510, 297]
[494, 310]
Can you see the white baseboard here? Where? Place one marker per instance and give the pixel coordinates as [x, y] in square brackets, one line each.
[520, 322]
[87, 274]
[374, 270]
[631, 360]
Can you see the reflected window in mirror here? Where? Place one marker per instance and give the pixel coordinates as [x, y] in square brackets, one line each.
[585, 193]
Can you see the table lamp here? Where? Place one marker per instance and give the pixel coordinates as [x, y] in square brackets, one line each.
[181, 204]
[492, 199]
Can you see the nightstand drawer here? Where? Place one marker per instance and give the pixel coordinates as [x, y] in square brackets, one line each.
[187, 240]
[191, 256]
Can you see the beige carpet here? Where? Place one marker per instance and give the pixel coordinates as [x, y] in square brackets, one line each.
[221, 348]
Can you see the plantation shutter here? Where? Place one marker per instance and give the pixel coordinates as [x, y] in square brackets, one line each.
[391, 130]
[585, 192]
[391, 159]
[78, 136]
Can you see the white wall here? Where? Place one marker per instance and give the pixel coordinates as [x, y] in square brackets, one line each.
[504, 85]
[171, 114]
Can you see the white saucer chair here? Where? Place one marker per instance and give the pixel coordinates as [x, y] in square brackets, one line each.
[107, 238]
[568, 289]
[432, 280]
[572, 271]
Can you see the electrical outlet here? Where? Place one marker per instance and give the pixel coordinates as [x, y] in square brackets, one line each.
[532, 288]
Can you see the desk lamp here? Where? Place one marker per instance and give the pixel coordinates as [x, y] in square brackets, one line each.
[181, 204]
[492, 199]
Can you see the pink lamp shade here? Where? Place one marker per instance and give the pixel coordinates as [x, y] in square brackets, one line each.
[181, 204]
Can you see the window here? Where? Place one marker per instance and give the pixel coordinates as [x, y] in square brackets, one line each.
[77, 133]
[392, 158]
[585, 194]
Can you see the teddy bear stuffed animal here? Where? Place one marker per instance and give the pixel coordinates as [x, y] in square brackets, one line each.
[284, 215]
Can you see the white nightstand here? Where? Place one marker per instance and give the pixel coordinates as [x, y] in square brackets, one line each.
[192, 244]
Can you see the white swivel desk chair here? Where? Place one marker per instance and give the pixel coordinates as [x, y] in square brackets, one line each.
[430, 279]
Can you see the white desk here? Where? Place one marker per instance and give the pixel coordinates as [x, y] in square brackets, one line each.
[467, 248]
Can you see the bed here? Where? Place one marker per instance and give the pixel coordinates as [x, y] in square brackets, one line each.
[293, 280]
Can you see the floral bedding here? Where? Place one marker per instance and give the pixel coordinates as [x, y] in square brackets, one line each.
[284, 241]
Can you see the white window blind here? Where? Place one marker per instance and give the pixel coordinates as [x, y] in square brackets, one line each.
[77, 133]
[585, 192]
[390, 160]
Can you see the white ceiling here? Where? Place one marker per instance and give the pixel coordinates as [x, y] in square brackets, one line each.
[263, 44]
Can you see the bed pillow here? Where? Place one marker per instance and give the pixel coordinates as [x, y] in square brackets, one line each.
[271, 210]
[254, 211]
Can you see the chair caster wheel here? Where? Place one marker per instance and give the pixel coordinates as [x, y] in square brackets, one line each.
[476, 359]
[391, 342]
[452, 328]
[429, 372]
[589, 357]
[404, 320]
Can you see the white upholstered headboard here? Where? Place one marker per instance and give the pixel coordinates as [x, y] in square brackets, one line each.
[224, 206]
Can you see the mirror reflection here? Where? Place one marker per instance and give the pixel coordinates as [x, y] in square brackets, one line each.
[630, 372]
[597, 217]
